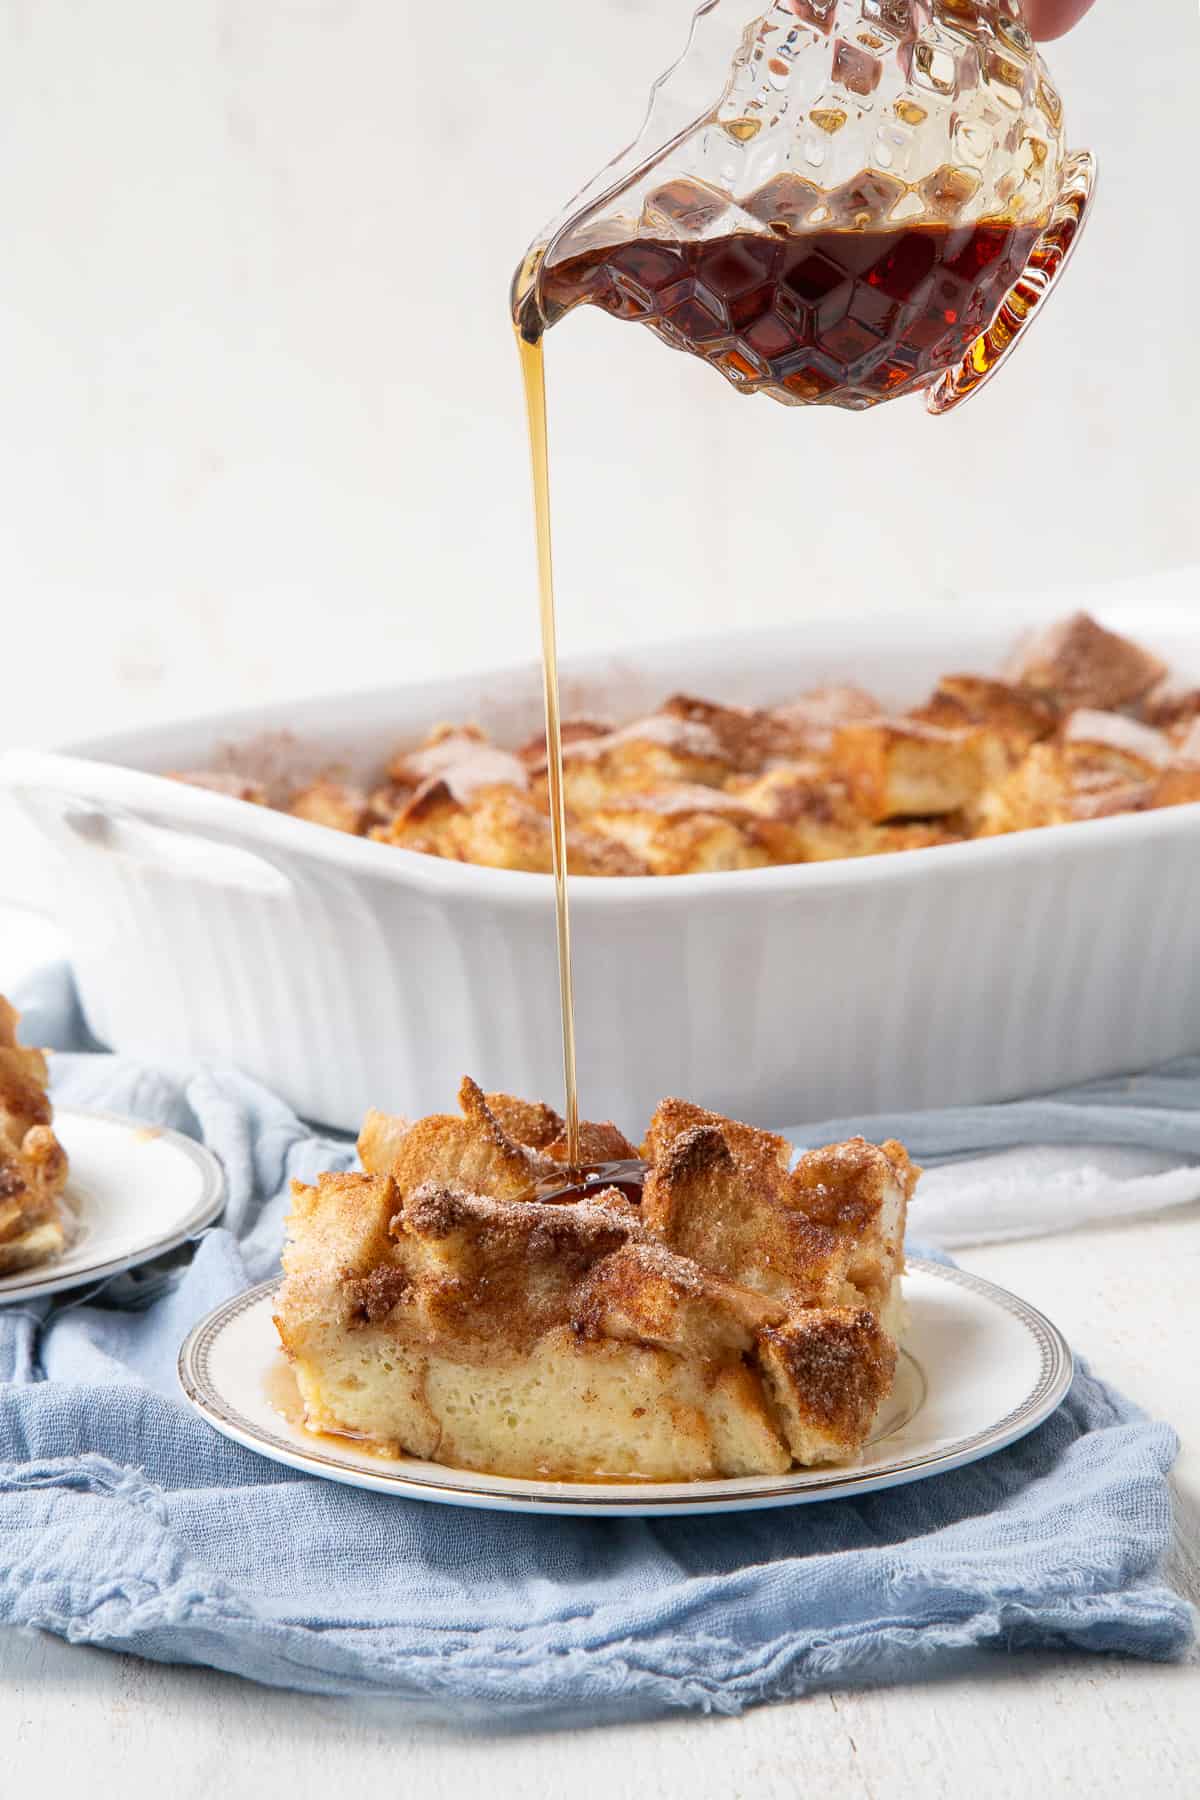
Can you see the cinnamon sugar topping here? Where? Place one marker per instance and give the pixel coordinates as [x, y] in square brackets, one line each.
[699, 786]
[735, 1318]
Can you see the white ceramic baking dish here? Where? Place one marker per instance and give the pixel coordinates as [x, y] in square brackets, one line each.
[346, 974]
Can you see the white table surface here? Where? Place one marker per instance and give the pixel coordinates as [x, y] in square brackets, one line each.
[84, 1719]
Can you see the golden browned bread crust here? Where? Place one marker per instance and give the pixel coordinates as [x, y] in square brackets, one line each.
[1098, 764]
[698, 787]
[440, 1305]
[861, 1191]
[645, 1294]
[498, 827]
[826, 1372]
[529, 1122]
[574, 731]
[1078, 663]
[905, 768]
[1179, 782]
[682, 828]
[701, 1201]
[749, 738]
[1170, 703]
[33, 1165]
[804, 812]
[1018, 715]
[814, 717]
[764, 1153]
[598, 1143]
[1112, 746]
[336, 804]
[473, 1151]
[459, 758]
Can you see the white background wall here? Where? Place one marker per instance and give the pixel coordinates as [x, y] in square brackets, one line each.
[260, 427]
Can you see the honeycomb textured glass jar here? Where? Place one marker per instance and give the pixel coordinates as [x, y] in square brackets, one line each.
[829, 201]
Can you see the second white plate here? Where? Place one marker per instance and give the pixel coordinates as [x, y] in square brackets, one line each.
[135, 1191]
[980, 1368]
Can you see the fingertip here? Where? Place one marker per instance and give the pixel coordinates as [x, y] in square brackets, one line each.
[1050, 19]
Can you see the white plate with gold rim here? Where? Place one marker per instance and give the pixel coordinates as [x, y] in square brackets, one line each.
[979, 1369]
[134, 1191]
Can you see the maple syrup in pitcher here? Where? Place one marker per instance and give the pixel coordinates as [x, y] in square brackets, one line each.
[863, 315]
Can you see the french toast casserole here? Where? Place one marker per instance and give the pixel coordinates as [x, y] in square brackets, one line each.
[699, 1308]
[34, 1222]
[1084, 724]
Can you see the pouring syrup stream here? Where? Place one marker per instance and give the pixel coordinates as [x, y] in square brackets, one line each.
[533, 372]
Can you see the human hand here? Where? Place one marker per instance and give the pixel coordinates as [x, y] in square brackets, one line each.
[1051, 18]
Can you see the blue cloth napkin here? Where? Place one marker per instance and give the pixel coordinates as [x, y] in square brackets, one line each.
[126, 1522]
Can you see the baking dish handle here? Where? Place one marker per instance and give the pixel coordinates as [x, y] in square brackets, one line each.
[173, 849]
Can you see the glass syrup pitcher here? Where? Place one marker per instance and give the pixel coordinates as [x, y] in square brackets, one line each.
[833, 202]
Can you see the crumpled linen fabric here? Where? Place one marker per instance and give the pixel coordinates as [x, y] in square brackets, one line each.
[127, 1522]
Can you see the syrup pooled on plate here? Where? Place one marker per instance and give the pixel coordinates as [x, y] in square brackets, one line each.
[848, 317]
